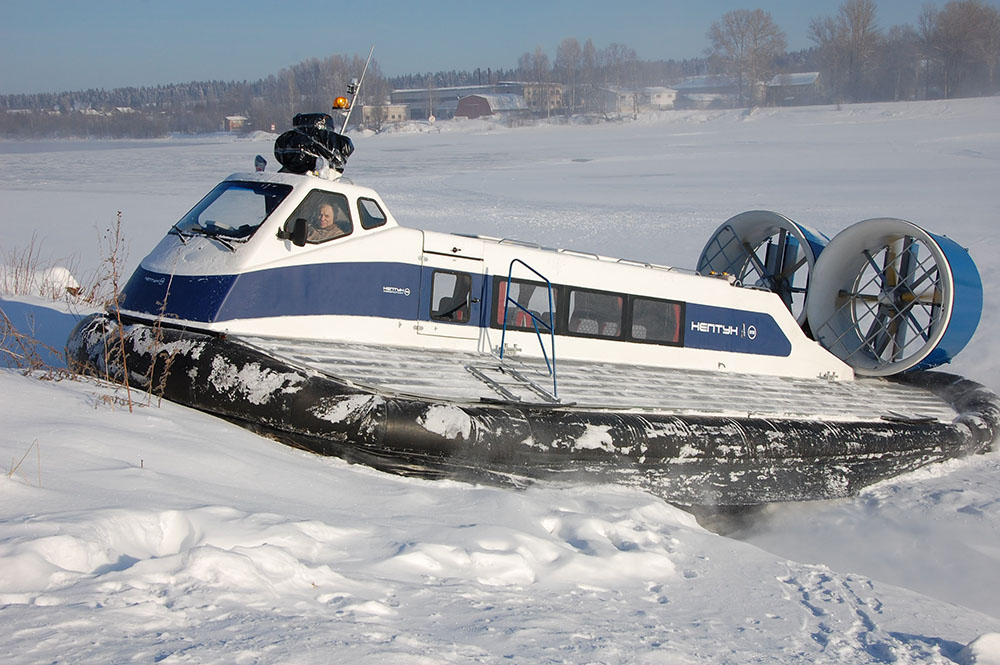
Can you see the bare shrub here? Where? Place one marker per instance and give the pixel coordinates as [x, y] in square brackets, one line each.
[113, 249]
[25, 273]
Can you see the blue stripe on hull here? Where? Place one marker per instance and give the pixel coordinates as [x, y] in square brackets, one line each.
[389, 290]
[362, 289]
[189, 298]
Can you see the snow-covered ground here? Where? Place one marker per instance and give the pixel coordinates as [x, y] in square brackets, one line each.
[164, 535]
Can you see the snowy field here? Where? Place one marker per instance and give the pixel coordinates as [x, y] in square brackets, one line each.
[168, 536]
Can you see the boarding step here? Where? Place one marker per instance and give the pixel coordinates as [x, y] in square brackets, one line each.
[510, 384]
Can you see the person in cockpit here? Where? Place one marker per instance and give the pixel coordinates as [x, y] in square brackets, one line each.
[328, 224]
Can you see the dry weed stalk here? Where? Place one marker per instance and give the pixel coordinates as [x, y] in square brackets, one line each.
[19, 268]
[19, 275]
[111, 400]
[24, 272]
[115, 249]
[161, 384]
[15, 467]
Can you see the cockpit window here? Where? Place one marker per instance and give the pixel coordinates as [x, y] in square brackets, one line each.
[233, 210]
[327, 216]
[371, 214]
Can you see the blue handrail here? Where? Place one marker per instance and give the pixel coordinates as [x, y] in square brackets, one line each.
[535, 321]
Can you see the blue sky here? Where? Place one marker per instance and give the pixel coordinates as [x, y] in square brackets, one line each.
[54, 46]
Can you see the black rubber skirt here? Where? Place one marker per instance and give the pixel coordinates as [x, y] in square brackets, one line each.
[686, 459]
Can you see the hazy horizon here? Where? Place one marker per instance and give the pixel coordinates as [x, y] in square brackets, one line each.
[62, 46]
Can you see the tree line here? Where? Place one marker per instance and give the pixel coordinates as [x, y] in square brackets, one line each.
[951, 52]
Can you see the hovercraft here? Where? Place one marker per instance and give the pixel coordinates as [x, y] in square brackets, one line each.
[786, 367]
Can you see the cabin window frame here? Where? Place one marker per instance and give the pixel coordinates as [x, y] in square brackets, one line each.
[364, 215]
[560, 300]
[630, 321]
[308, 209]
[622, 308]
[465, 310]
[498, 301]
[191, 221]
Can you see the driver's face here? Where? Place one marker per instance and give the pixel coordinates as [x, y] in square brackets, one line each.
[325, 216]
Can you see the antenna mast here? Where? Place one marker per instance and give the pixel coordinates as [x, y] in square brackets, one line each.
[353, 88]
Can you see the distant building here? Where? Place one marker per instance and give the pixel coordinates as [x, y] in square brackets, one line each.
[541, 98]
[235, 123]
[438, 102]
[375, 116]
[708, 91]
[614, 101]
[504, 105]
[799, 89]
[657, 98]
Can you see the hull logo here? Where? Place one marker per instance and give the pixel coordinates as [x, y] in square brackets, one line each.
[396, 290]
[749, 332]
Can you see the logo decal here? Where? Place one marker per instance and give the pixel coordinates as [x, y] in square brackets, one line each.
[749, 332]
[396, 290]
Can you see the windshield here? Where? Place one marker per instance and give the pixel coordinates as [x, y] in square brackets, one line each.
[233, 210]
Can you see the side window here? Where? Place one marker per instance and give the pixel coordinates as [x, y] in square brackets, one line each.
[656, 321]
[595, 314]
[371, 215]
[532, 296]
[327, 216]
[450, 293]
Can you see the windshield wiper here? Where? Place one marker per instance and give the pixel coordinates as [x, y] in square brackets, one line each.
[198, 230]
[176, 231]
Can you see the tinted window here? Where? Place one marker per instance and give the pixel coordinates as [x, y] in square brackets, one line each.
[450, 296]
[371, 215]
[595, 314]
[531, 296]
[656, 321]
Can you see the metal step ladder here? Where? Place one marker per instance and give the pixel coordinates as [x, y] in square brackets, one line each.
[510, 384]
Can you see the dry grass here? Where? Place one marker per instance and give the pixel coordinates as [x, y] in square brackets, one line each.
[114, 244]
[25, 272]
[14, 468]
[20, 272]
[23, 351]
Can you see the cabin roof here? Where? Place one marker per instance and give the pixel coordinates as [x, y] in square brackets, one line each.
[800, 78]
[337, 184]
